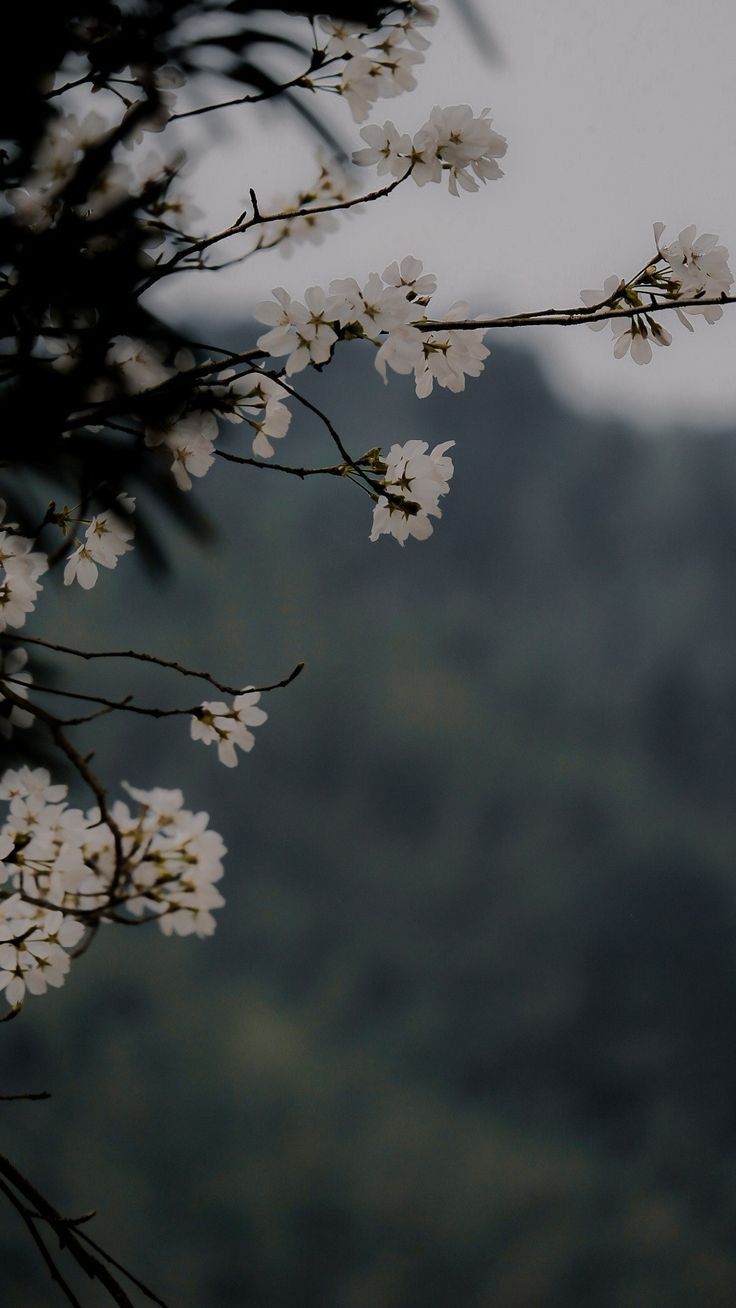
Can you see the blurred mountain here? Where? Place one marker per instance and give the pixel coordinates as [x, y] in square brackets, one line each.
[465, 1034]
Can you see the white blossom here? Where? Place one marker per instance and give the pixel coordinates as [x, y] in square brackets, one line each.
[190, 440]
[387, 148]
[448, 356]
[300, 331]
[343, 37]
[458, 142]
[592, 297]
[393, 67]
[420, 15]
[408, 274]
[417, 479]
[257, 400]
[359, 86]
[139, 366]
[107, 538]
[20, 568]
[59, 864]
[12, 665]
[228, 727]
[374, 307]
[32, 948]
[698, 266]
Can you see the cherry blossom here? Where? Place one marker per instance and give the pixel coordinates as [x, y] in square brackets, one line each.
[60, 865]
[698, 266]
[107, 538]
[228, 727]
[301, 331]
[20, 568]
[387, 148]
[12, 665]
[190, 440]
[453, 140]
[415, 479]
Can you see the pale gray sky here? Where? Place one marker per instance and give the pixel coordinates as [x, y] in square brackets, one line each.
[617, 115]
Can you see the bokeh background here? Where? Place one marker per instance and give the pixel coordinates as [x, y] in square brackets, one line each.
[465, 1034]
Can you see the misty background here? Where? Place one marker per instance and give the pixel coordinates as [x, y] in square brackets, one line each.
[465, 1033]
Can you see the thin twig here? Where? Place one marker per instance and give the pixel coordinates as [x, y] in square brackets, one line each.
[125, 705]
[258, 219]
[53, 1270]
[68, 1237]
[38, 1094]
[571, 317]
[144, 1289]
[301, 80]
[132, 654]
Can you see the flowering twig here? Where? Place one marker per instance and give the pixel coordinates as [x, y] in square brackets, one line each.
[237, 229]
[572, 317]
[138, 655]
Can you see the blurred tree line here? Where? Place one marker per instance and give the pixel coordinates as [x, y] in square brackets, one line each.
[466, 1032]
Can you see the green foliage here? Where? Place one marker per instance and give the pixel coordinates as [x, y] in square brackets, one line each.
[465, 1035]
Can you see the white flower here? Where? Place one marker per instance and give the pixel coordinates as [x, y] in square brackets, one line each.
[65, 352]
[402, 350]
[374, 307]
[12, 664]
[106, 539]
[418, 479]
[228, 727]
[359, 86]
[449, 356]
[301, 331]
[67, 859]
[81, 567]
[20, 568]
[393, 68]
[32, 956]
[343, 37]
[409, 274]
[421, 15]
[592, 297]
[20, 782]
[699, 266]
[455, 140]
[257, 400]
[635, 335]
[191, 442]
[140, 367]
[388, 149]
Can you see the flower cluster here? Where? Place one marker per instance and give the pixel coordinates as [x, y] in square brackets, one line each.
[452, 141]
[246, 397]
[697, 266]
[68, 138]
[60, 874]
[228, 727]
[389, 311]
[415, 480]
[379, 63]
[20, 569]
[689, 268]
[107, 537]
[258, 401]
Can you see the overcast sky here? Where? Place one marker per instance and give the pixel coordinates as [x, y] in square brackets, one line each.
[617, 115]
